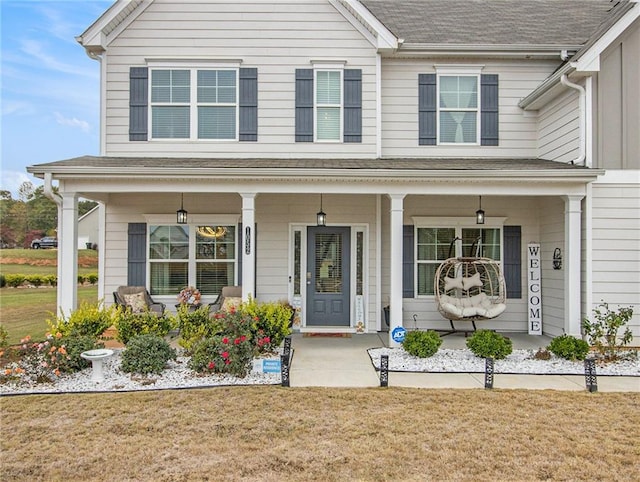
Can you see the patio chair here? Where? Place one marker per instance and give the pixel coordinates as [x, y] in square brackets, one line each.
[231, 294]
[138, 299]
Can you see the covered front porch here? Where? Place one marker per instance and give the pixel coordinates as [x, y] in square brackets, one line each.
[272, 242]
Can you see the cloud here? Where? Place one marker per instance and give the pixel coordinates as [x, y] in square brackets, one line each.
[16, 107]
[11, 181]
[38, 51]
[73, 122]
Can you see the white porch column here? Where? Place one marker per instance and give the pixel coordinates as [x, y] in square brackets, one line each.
[395, 291]
[572, 273]
[68, 254]
[248, 244]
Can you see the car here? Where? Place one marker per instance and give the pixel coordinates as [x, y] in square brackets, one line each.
[46, 242]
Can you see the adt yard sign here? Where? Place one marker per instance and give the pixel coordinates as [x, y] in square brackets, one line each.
[398, 334]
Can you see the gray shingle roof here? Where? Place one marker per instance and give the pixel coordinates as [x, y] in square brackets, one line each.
[492, 22]
[155, 164]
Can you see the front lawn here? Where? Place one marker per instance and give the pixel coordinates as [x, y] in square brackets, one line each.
[24, 311]
[272, 433]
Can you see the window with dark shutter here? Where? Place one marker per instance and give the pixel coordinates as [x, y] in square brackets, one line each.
[248, 105]
[408, 290]
[489, 110]
[513, 261]
[352, 105]
[304, 105]
[137, 254]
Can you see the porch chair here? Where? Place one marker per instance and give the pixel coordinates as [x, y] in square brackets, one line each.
[230, 294]
[138, 299]
[469, 289]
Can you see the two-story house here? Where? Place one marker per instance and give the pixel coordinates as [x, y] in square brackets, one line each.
[335, 152]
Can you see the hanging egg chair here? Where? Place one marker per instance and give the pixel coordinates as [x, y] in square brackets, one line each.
[469, 289]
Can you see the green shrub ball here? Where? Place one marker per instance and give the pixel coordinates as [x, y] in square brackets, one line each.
[146, 354]
[422, 344]
[569, 347]
[489, 344]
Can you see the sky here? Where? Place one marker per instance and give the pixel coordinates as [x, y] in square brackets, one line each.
[49, 96]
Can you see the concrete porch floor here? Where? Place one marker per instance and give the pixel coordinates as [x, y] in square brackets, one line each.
[344, 362]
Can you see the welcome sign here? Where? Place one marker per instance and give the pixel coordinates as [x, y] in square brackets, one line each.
[534, 292]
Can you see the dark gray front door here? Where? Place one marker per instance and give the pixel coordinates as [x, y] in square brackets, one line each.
[328, 262]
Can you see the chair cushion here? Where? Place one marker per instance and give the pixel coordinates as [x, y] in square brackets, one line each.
[472, 282]
[452, 283]
[136, 301]
[231, 302]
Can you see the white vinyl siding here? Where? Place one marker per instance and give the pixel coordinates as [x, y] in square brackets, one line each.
[518, 130]
[559, 129]
[270, 36]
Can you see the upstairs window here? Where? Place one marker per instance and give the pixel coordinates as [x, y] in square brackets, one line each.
[194, 104]
[328, 105]
[458, 112]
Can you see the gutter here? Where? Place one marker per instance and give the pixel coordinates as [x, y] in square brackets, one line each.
[580, 160]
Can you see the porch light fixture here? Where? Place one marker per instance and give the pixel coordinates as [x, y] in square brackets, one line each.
[321, 216]
[181, 214]
[480, 213]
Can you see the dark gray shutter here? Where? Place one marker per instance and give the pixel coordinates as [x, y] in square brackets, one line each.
[353, 105]
[489, 109]
[137, 254]
[427, 99]
[513, 261]
[407, 262]
[138, 103]
[248, 130]
[304, 105]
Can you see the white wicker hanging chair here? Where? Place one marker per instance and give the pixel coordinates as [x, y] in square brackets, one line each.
[470, 289]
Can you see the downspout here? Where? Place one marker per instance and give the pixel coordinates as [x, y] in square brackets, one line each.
[56, 198]
[564, 80]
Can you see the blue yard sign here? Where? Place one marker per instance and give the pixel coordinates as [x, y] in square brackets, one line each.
[398, 334]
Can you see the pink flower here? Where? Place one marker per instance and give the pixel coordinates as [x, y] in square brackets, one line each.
[211, 365]
[227, 362]
[225, 340]
[243, 338]
[267, 339]
[225, 354]
[236, 341]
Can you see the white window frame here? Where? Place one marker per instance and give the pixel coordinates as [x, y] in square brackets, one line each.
[458, 224]
[194, 222]
[328, 67]
[459, 71]
[193, 99]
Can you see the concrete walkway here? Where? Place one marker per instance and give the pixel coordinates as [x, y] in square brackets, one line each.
[344, 362]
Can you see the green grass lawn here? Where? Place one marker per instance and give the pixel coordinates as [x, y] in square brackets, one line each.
[24, 311]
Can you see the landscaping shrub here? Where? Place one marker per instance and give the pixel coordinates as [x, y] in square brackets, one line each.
[603, 332]
[3, 281]
[231, 350]
[81, 279]
[35, 279]
[271, 321]
[90, 319]
[4, 335]
[63, 353]
[52, 279]
[194, 325]
[92, 278]
[489, 344]
[569, 347]
[131, 324]
[146, 354]
[14, 280]
[422, 344]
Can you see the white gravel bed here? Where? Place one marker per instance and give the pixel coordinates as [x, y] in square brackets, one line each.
[519, 362]
[176, 375]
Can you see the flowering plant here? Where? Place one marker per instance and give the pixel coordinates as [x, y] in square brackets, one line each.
[189, 296]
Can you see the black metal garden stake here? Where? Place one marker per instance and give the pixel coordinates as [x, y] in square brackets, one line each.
[384, 370]
[284, 370]
[590, 376]
[488, 372]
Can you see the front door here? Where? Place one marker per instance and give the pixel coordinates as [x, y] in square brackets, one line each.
[328, 283]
